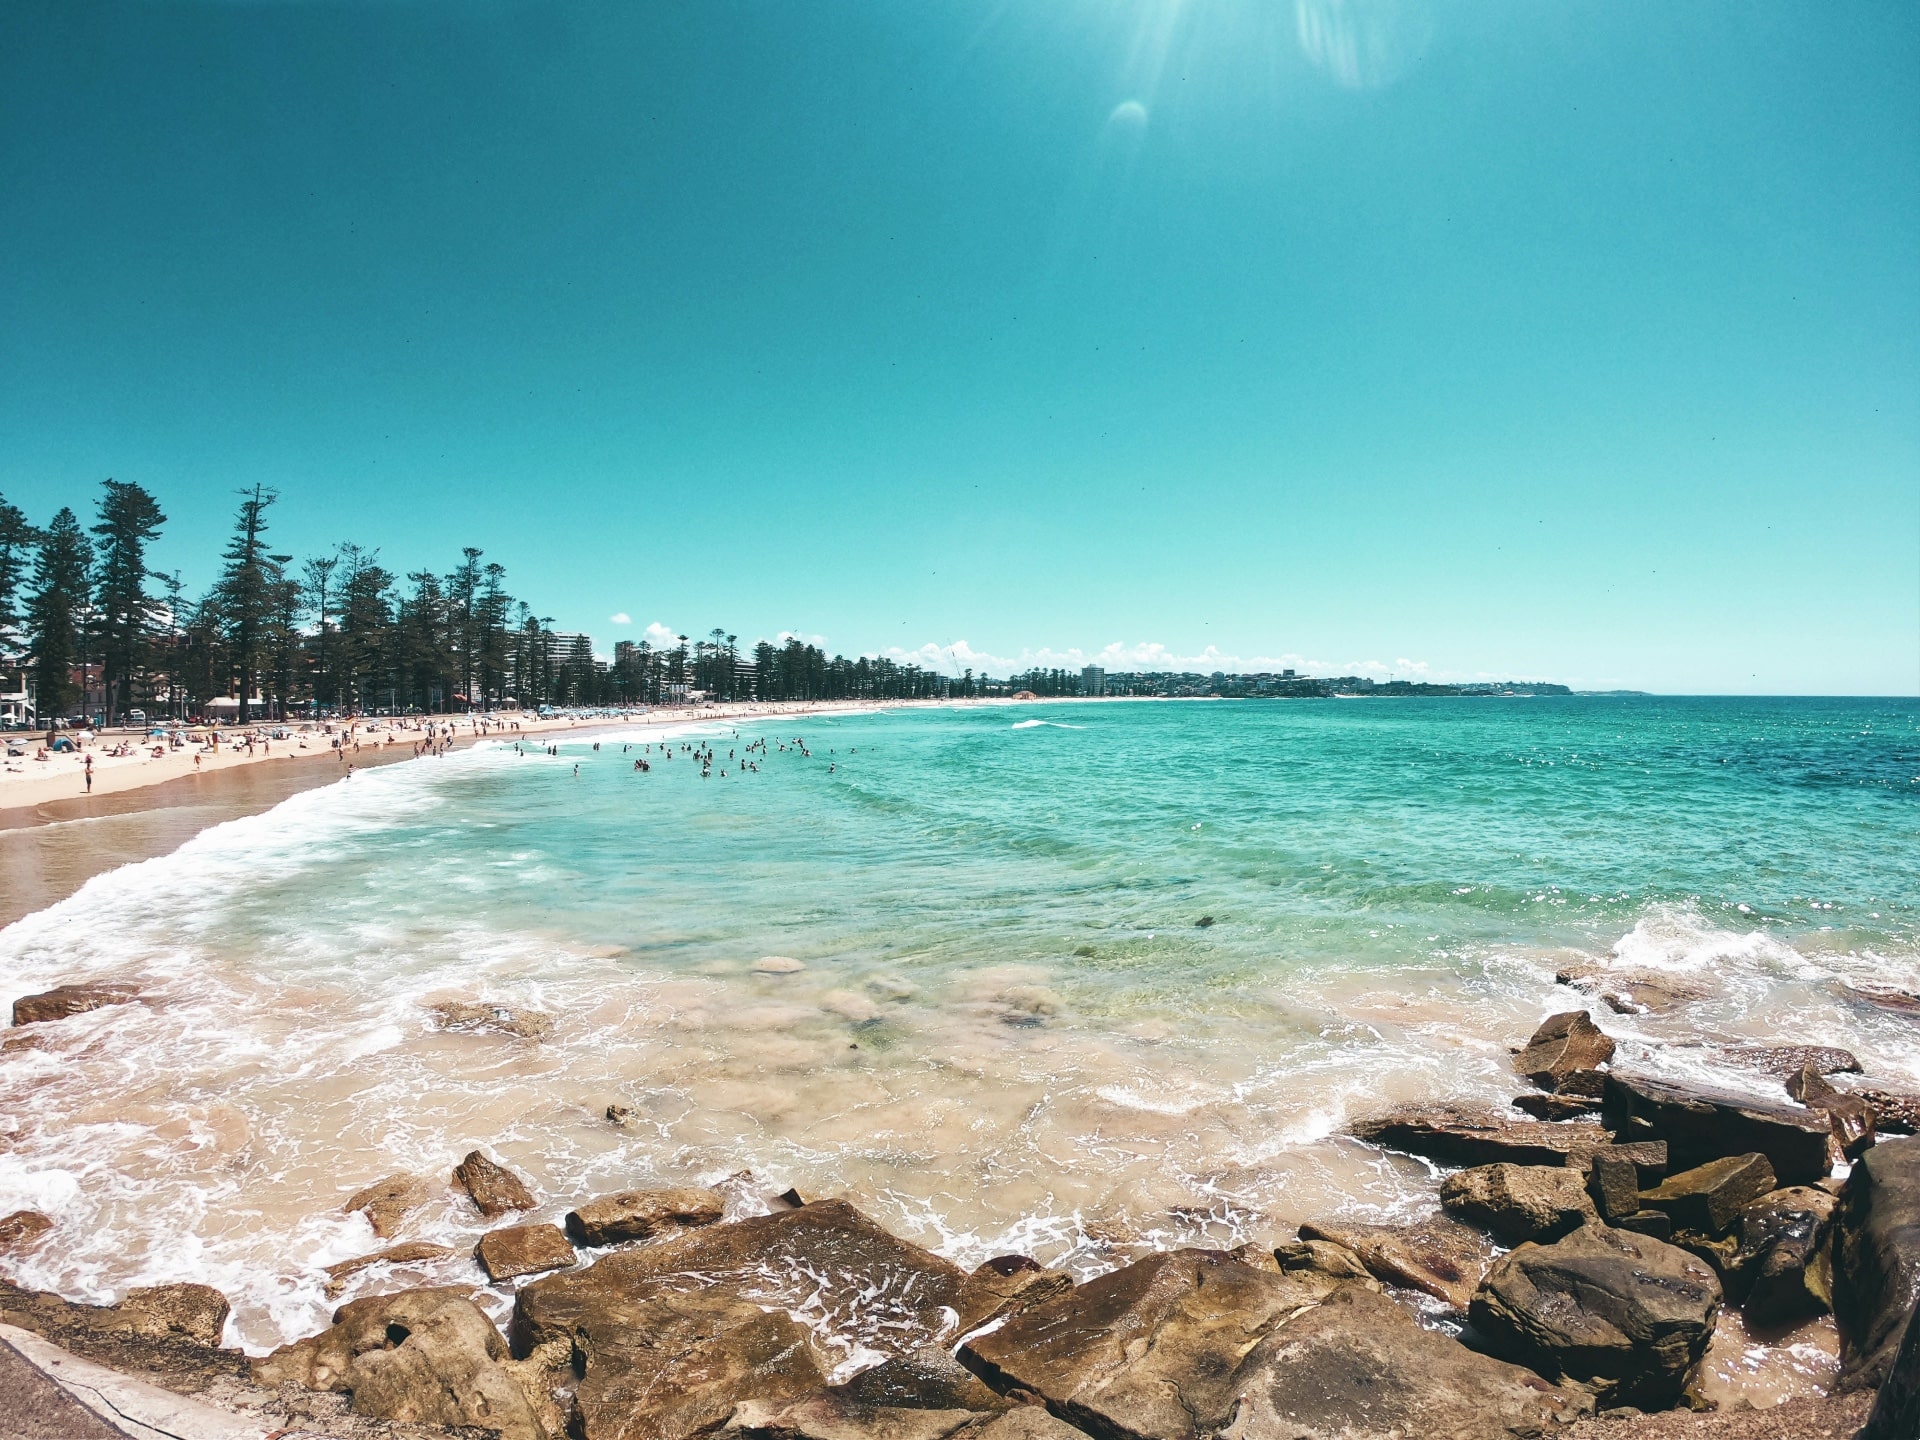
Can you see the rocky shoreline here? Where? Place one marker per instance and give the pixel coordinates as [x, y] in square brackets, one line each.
[1570, 1285]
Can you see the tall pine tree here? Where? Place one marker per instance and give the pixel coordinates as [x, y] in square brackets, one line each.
[129, 519]
[247, 590]
[55, 614]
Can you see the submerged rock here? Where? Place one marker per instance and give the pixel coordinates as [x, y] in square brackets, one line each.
[1781, 1269]
[1624, 1314]
[23, 1229]
[427, 1356]
[1565, 1055]
[1785, 1061]
[1457, 1136]
[1876, 1260]
[65, 1000]
[492, 1187]
[1519, 1202]
[641, 1214]
[387, 1203]
[1149, 1350]
[1632, 992]
[471, 1017]
[1710, 1197]
[407, 1252]
[1701, 1124]
[517, 1250]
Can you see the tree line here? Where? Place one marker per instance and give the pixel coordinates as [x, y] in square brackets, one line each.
[100, 632]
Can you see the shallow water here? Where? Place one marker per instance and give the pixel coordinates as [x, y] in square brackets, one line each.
[1010, 1030]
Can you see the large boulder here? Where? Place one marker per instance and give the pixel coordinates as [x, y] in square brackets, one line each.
[65, 1000]
[1519, 1202]
[1710, 1197]
[1782, 1271]
[826, 1261]
[1149, 1350]
[642, 1214]
[1565, 1055]
[1457, 1136]
[492, 1187]
[170, 1331]
[516, 1250]
[1701, 1124]
[1896, 1409]
[1624, 1314]
[1876, 1260]
[387, 1203]
[426, 1356]
[1359, 1365]
[1436, 1256]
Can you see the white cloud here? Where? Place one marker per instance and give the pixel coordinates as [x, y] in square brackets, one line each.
[620, 618]
[659, 635]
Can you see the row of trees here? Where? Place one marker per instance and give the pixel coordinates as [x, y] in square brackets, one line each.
[101, 632]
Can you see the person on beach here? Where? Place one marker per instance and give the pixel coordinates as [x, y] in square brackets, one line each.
[89, 768]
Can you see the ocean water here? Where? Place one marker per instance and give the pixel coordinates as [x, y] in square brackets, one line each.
[1075, 979]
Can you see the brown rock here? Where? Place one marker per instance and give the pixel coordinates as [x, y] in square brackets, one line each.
[1710, 1197]
[463, 1015]
[493, 1188]
[1614, 1185]
[1149, 1350]
[1655, 1223]
[22, 1229]
[407, 1252]
[1894, 1002]
[862, 1283]
[1005, 1286]
[65, 1000]
[1896, 1409]
[1893, 1113]
[1632, 992]
[426, 1356]
[1542, 1106]
[1565, 1055]
[1457, 1136]
[1519, 1202]
[1322, 1257]
[642, 1214]
[1437, 1256]
[1782, 1235]
[1648, 1158]
[1850, 1118]
[1788, 1060]
[1701, 1124]
[523, 1250]
[1359, 1365]
[387, 1203]
[925, 1379]
[1876, 1260]
[833, 1417]
[1626, 1315]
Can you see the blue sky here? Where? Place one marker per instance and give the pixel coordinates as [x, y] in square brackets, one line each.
[1575, 341]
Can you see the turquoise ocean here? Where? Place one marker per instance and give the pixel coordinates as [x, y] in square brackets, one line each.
[1079, 979]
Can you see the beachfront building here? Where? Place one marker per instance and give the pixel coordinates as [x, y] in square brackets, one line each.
[1093, 681]
[17, 710]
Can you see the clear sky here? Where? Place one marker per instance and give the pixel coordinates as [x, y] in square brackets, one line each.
[1574, 341]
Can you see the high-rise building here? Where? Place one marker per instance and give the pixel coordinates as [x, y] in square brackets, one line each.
[1093, 680]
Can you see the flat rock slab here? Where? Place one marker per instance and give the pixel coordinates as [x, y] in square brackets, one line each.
[1710, 1197]
[642, 1214]
[1437, 1256]
[1359, 1365]
[1149, 1350]
[829, 1417]
[47, 1393]
[1876, 1260]
[65, 1000]
[493, 1188]
[1458, 1136]
[1782, 1061]
[1624, 1314]
[1701, 1124]
[826, 1260]
[518, 1250]
[408, 1252]
[1519, 1202]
